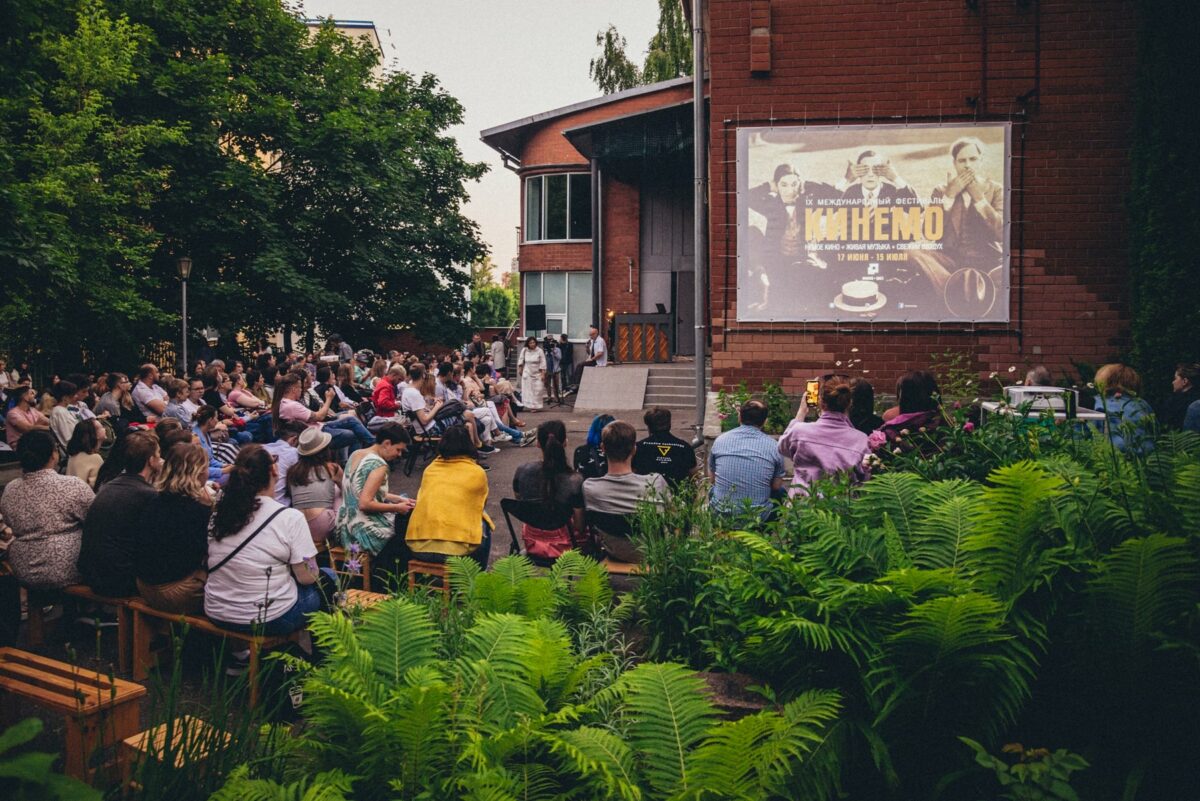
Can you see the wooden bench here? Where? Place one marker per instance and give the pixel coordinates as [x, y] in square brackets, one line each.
[98, 709]
[435, 569]
[192, 739]
[616, 568]
[36, 624]
[338, 557]
[364, 599]
[147, 621]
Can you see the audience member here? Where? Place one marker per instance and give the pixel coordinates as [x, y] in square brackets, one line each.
[828, 446]
[204, 425]
[916, 391]
[62, 419]
[367, 517]
[178, 394]
[285, 453]
[83, 452]
[171, 538]
[1130, 419]
[1191, 420]
[745, 464]
[384, 396]
[108, 549]
[150, 398]
[1185, 390]
[257, 383]
[620, 490]
[118, 402]
[499, 353]
[23, 417]
[240, 397]
[262, 564]
[45, 512]
[589, 457]
[917, 408]
[449, 517]
[662, 452]
[1039, 376]
[862, 406]
[348, 432]
[315, 483]
[552, 481]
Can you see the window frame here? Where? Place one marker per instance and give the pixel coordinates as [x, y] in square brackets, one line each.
[565, 316]
[525, 240]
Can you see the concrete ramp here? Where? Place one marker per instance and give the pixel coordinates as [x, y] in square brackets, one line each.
[611, 389]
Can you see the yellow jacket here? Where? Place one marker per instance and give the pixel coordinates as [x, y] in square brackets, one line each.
[450, 503]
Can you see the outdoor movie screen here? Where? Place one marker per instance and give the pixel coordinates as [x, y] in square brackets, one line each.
[884, 223]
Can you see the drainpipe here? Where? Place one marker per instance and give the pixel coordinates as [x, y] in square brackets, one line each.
[700, 209]
[597, 246]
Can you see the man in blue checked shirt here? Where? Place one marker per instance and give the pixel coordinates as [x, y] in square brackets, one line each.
[745, 464]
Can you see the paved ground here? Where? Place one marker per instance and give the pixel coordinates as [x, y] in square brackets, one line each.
[504, 463]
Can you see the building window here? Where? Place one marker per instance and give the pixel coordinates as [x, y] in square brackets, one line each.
[567, 298]
[558, 207]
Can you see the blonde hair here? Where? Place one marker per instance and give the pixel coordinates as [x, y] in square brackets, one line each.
[1117, 377]
[185, 472]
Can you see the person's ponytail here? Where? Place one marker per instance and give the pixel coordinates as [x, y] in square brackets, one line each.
[552, 437]
[251, 474]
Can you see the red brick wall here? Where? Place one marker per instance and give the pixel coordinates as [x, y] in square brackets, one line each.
[846, 59]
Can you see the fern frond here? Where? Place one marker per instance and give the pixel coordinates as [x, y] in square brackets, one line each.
[668, 714]
[330, 786]
[897, 495]
[600, 757]
[462, 573]
[400, 635]
[1142, 587]
[939, 537]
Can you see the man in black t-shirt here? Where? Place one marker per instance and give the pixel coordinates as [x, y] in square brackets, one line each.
[662, 452]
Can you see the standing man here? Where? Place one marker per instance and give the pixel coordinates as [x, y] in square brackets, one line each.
[745, 464]
[566, 365]
[476, 348]
[499, 356]
[597, 354]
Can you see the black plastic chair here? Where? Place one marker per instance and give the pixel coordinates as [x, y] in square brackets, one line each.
[546, 516]
[423, 446]
[609, 524]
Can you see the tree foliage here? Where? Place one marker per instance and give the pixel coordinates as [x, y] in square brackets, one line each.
[307, 191]
[668, 54]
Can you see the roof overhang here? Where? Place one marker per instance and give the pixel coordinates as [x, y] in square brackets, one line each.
[638, 141]
[509, 139]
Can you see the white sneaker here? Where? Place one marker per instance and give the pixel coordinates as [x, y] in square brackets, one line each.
[501, 437]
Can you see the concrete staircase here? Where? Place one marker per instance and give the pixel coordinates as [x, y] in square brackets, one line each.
[674, 385]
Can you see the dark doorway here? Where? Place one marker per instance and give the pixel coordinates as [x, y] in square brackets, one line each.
[667, 266]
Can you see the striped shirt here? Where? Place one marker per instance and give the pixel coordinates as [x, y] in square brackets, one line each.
[745, 462]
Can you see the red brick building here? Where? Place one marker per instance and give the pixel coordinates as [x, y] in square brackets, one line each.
[1060, 72]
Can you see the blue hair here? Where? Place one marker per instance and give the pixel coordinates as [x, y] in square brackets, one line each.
[598, 425]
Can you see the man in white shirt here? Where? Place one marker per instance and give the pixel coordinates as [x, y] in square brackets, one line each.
[597, 354]
[150, 398]
[283, 451]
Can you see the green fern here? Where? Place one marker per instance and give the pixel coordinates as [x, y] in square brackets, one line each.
[897, 495]
[939, 537]
[668, 716]
[329, 786]
[400, 635]
[1141, 588]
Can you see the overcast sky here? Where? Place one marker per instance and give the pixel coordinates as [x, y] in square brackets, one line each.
[503, 60]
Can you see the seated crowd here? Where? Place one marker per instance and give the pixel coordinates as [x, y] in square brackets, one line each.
[218, 493]
[215, 493]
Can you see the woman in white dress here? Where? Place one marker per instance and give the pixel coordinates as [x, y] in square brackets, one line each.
[531, 366]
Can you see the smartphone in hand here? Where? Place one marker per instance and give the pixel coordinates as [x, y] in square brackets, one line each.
[812, 392]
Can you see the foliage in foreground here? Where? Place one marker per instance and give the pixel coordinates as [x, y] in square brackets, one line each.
[30, 776]
[1055, 602]
[510, 710]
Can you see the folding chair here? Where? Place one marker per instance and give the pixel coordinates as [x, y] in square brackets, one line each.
[538, 514]
[423, 446]
[607, 527]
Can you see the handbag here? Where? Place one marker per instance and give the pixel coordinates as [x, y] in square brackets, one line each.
[450, 410]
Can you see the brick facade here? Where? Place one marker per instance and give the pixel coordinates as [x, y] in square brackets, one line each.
[832, 60]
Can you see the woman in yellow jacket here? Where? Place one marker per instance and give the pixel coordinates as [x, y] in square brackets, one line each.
[449, 519]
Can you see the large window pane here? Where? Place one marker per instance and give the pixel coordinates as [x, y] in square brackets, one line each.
[533, 208]
[554, 325]
[554, 292]
[579, 302]
[533, 289]
[556, 206]
[581, 207]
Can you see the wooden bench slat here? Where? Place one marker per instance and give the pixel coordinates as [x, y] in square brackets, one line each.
[11, 657]
[207, 626]
[65, 694]
[621, 568]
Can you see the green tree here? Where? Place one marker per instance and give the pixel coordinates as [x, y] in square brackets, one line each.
[493, 306]
[80, 181]
[668, 54]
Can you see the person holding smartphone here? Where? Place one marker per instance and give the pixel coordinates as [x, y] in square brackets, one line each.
[828, 446]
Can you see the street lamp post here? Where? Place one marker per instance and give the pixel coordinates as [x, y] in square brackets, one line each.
[184, 266]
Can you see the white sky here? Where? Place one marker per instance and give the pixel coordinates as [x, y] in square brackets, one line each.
[503, 60]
